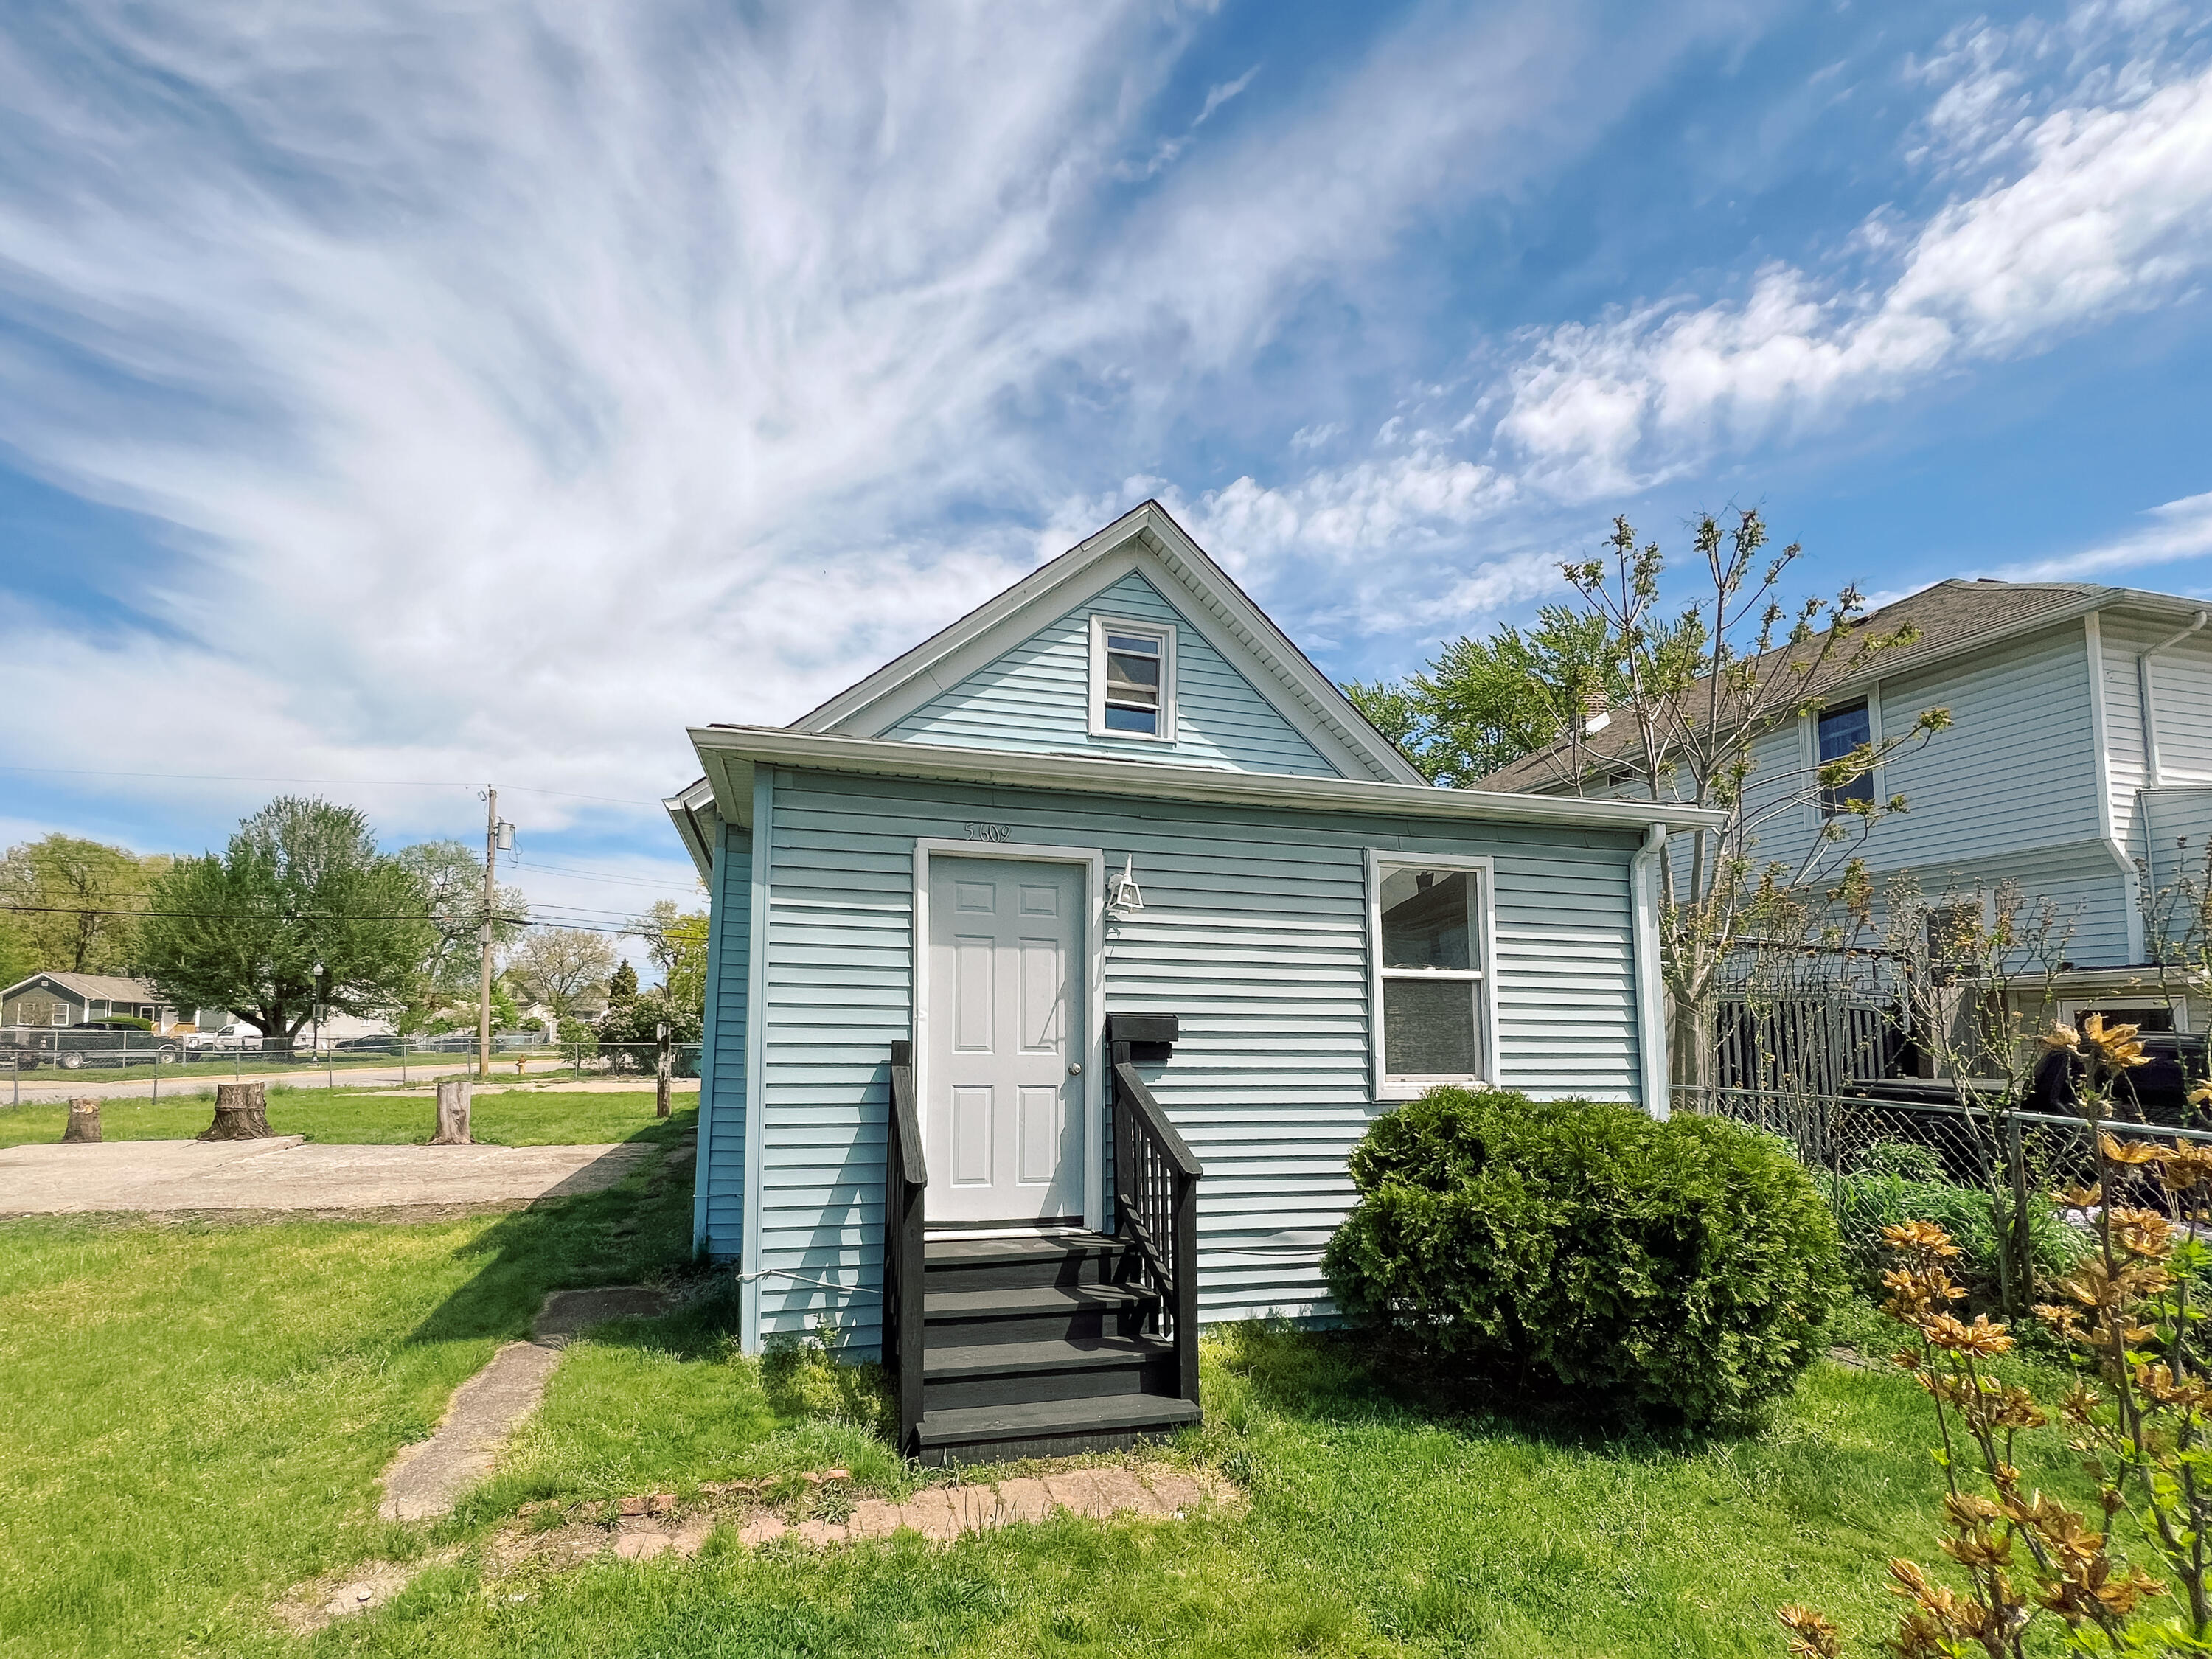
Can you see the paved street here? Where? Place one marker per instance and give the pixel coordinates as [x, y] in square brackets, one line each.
[285, 1173]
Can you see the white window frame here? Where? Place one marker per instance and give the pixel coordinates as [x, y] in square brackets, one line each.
[1165, 634]
[2074, 1009]
[1483, 976]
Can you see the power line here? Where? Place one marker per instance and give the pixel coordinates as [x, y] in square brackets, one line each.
[362, 783]
[586, 875]
[319, 915]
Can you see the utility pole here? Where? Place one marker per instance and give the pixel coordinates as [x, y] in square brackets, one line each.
[496, 836]
[483, 997]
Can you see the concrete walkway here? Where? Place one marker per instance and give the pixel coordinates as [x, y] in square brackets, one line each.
[284, 1173]
[426, 1477]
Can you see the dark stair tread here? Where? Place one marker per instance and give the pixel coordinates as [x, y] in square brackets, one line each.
[1120, 1413]
[982, 1252]
[1058, 1354]
[1029, 1300]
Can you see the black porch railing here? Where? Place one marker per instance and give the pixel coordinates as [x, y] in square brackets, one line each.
[1156, 1198]
[906, 1178]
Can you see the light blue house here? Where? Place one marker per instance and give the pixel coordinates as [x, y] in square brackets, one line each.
[2078, 765]
[1057, 966]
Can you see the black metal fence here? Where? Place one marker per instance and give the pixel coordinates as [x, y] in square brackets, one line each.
[1984, 1172]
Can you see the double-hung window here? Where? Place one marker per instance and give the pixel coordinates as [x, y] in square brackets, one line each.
[1429, 937]
[1131, 679]
[1842, 730]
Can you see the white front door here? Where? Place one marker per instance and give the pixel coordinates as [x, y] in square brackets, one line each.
[1003, 1119]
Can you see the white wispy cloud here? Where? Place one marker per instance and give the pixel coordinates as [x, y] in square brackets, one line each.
[515, 386]
[2178, 531]
[1165, 154]
[2110, 211]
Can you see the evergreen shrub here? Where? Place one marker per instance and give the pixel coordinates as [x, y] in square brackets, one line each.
[1679, 1267]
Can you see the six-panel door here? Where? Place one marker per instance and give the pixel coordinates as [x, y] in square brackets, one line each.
[1003, 1116]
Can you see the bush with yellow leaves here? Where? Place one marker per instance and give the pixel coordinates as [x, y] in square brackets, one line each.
[2139, 1413]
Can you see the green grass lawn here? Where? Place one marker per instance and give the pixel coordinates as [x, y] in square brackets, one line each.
[197, 1415]
[512, 1117]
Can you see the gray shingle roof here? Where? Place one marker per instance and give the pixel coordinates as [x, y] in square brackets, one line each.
[1951, 615]
[99, 988]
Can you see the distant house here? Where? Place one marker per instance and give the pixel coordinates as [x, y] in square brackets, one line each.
[2079, 764]
[1055, 967]
[72, 999]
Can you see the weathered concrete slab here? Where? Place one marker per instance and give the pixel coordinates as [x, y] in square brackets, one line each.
[285, 1173]
[567, 1312]
[425, 1479]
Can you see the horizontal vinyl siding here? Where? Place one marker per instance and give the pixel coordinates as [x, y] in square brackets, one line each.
[2126, 760]
[2182, 690]
[2178, 824]
[1253, 931]
[1037, 698]
[2015, 772]
[721, 1167]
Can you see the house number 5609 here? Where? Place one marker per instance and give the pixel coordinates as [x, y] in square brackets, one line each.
[990, 832]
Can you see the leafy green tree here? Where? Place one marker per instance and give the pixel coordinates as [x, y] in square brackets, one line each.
[72, 905]
[676, 942]
[621, 985]
[451, 874]
[561, 967]
[19, 956]
[639, 1020]
[300, 909]
[1485, 704]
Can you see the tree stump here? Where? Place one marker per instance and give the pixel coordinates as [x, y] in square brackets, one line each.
[242, 1113]
[452, 1114]
[83, 1122]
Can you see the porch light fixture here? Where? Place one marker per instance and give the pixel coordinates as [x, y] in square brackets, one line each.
[1122, 893]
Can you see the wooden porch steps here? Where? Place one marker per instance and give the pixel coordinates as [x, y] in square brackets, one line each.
[1033, 1347]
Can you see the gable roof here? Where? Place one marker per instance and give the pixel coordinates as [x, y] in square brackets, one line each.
[96, 987]
[1146, 539]
[1952, 617]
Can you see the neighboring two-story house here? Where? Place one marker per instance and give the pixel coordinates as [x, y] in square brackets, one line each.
[2078, 763]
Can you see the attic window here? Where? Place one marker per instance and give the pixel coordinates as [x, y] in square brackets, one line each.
[1131, 679]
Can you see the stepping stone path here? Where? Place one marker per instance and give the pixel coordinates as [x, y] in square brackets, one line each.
[642, 1528]
[658, 1524]
[425, 1480]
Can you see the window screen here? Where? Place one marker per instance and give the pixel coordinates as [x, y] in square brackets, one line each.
[1431, 972]
[1133, 683]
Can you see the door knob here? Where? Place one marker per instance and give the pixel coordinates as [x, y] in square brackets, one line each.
[1075, 1068]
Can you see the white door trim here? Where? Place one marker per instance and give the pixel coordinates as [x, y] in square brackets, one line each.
[1093, 860]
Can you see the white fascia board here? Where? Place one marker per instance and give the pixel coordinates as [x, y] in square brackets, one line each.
[729, 753]
[1210, 599]
[697, 820]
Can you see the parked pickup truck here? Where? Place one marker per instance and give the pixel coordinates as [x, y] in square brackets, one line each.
[72, 1048]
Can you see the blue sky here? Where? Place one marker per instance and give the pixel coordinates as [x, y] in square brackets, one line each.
[404, 398]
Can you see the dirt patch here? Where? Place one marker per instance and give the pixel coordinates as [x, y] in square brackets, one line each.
[308, 1607]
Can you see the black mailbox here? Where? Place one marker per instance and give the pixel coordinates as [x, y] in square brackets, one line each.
[1141, 1039]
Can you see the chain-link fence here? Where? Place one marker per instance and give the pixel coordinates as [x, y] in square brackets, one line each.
[585, 1061]
[40, 1064]
[1984, 1171]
